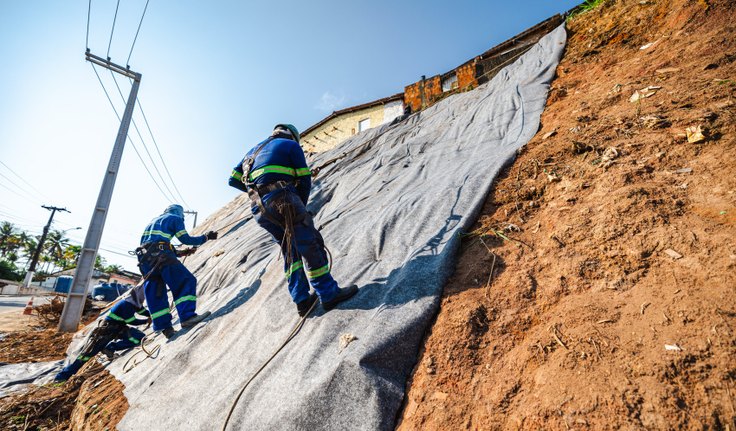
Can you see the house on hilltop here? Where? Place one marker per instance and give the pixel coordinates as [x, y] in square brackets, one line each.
[342, 124]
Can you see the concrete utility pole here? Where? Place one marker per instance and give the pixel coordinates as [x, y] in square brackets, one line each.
[39, 247]
[195, 217]
[74, 306]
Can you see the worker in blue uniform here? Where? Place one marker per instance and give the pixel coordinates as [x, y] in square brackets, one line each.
[160, 267]
[113, 333]
[277, 179]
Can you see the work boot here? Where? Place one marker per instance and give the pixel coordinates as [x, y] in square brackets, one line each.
[304, 306]
[343, 294]
[190, 322]
[169, 333]
[109, 354]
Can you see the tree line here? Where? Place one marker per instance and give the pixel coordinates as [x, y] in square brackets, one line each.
[58, 254]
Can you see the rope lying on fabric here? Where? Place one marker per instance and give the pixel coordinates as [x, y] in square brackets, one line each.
[143, 348]
[290, 337]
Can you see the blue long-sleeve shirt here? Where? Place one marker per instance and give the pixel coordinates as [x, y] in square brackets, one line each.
[167, 226]
[280, 159]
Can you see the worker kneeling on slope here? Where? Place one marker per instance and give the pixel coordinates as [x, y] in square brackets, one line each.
[112, 333]
[277, 179]
[159, 265]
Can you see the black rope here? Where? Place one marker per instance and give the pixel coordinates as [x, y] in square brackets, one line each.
[155, 144]
[113, 29]
[127, 62]
[143, 142]
[89, 8]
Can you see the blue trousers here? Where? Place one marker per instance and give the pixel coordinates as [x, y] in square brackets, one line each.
[128, 338]
[305, 261]
[183, 286]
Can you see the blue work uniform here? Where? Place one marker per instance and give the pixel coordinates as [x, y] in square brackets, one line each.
[161, 268]
[282, 159]
[114, 334]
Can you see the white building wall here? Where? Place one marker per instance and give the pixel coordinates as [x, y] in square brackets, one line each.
[392, 110]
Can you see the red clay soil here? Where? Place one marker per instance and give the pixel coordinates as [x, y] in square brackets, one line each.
[34, 346]
[90, 400]
[598, 289]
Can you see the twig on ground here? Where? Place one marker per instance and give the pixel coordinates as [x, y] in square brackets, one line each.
[553, 330]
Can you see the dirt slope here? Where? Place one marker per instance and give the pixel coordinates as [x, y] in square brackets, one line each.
[616, 307]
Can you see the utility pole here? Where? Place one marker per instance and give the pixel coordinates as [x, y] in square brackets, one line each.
[195, 217]
[74, 305]
[39, 247]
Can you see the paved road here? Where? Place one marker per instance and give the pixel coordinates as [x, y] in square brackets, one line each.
[14, 302]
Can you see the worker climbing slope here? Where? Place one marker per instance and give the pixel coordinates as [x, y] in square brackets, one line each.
[277, 179]
[113, 332]
[160, 267]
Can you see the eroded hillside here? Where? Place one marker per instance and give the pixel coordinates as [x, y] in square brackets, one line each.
[597, 290]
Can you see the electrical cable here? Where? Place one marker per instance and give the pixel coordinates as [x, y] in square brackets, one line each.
[131, 141]
[23, 196]
[113, 29]
[155, 144]
[89, 9]
[143, 142]
[30, 195]
[127, 62]
[22, 179]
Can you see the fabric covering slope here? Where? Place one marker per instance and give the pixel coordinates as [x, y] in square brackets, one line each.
[390, 211]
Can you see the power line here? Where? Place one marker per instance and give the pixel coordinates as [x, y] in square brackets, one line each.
[22, 179]
[143, 142]
[30, 195]
[23, 196]
[113, 29]
[131, 141]
[127, 62]
[140, 107]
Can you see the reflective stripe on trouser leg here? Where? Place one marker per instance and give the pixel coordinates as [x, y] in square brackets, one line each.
[157, 306]
[183, 287]
[310, 245]
[296, 278]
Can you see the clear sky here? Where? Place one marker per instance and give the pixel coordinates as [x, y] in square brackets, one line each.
[217, 76]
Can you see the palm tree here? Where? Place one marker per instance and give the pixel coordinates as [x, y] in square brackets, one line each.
[70, 256]
[113, 269]
[29, 247]
[56, 243]
[7, 232]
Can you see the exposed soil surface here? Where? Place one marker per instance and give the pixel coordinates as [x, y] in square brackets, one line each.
[34, 346]
[598, 289]
[90, 400]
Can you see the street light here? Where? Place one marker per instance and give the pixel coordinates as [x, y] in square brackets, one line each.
[67, 230]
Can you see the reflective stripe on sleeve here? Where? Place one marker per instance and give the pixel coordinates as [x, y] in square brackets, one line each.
[319, 272]
[185, 298]
[293, 268]
[181, 232]
[83, 358]
[303, 172]
[134, 340]
[160, 313]
[237, 175]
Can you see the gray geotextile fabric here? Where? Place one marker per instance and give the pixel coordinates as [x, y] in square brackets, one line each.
[390, 211]
[14, 377]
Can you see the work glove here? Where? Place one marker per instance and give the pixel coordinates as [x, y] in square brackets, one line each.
[211, 235]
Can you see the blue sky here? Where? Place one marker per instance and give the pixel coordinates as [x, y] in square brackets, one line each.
[217, 76]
